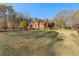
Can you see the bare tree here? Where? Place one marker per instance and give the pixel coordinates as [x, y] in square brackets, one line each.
[75, 21]
[63, 18]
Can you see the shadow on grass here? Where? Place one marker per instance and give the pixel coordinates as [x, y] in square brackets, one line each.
[44, 34]
[47, 34]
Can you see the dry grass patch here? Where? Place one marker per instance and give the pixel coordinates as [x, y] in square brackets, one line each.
[40, 43]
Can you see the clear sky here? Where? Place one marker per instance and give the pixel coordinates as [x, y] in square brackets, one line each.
[43, 10]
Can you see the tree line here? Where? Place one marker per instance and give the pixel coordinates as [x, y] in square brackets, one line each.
[67, 19]
[10, 19]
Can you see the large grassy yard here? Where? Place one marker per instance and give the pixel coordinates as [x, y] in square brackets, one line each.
[39, 43]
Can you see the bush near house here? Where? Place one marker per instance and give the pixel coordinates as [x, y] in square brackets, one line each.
[23, 24]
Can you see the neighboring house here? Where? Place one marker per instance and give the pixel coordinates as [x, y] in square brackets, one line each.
[36, 25]
[40, 25]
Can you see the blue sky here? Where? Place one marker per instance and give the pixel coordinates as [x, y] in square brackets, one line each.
[43, 10]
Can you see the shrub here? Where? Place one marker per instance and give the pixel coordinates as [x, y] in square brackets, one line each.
[23, 24]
